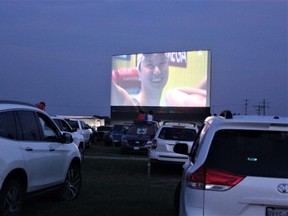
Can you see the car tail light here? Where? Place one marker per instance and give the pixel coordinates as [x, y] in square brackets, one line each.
[154, 144]
[210, 179]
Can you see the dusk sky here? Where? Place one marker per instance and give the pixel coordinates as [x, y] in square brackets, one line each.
[60, 51]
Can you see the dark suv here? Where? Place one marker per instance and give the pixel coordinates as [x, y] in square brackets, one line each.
[102, 133]
[117, 132]
[139, 133]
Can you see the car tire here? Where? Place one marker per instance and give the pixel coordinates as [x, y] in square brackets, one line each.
[72, 185]
[89, 143]
[154, 168]
[177, 197]
[12, 195]
[123, 151]
[82, 151]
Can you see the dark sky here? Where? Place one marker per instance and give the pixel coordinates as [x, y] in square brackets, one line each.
[60, 51]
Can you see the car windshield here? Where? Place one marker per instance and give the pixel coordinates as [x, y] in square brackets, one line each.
[103, 128]
[252, 153]
[180, 134]
[117, 128]
[64, 126]
[73, 124]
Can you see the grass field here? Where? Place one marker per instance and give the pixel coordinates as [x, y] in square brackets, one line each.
[115, 186]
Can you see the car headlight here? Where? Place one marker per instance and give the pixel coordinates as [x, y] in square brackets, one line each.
[154, 144]
[124, 141]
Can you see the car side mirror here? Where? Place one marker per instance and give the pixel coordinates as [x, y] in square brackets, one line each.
[67, 138]
[181, 149]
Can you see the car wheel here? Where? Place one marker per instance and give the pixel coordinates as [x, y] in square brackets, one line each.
[177, 197]
[89, 143]
[123, 151]
[154, 168]
[81, 150]
[11, 198]
[72, 184]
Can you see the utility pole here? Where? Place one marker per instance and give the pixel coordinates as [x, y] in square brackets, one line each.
[245, 106]
[264, 106]
[258, 109]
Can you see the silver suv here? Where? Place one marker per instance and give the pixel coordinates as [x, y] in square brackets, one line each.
[34, 156]
[238, 166]
[167, 136]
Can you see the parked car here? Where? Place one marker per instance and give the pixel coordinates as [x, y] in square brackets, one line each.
[139, 133]
[237, 166]
[34, 157]
[168, 135]
[78, 138]
[83, 129]
[117, 132]
[102, 133]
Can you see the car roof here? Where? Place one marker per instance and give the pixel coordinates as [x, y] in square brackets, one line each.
[142, 122]
[179, 124]
[249, 121]
[7, 105]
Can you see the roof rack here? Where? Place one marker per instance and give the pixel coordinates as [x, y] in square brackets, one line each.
[179, 122]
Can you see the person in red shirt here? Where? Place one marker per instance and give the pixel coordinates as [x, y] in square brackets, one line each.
[41, 105]
[141, 115]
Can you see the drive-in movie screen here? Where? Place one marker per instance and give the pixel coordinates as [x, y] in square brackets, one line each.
[161, 79]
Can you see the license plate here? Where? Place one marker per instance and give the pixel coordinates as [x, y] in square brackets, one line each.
[136, 148]
[276, 212]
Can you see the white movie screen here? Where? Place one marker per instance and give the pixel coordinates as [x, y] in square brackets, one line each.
[170, 79]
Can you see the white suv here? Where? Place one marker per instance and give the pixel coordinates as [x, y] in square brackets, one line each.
[34, 157]
[238, 166]
[167, 136]
[83, 129]
[78, 138]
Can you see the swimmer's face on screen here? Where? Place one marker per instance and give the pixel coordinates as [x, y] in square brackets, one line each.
[154, 71]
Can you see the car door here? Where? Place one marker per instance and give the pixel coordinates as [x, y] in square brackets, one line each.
[85, 131]
[43, 152]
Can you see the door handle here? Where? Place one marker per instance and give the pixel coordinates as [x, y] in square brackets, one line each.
[28, 149]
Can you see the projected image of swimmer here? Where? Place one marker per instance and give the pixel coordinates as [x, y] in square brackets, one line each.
[119, 96]
[153, 72]
[187, 96]
[172, 79]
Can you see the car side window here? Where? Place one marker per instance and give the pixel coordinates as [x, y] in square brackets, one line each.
[29, 126]
[7, 125]
[65, 126]
[198, 142]
[48, 130]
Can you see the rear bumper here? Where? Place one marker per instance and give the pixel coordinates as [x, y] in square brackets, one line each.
[167, 158]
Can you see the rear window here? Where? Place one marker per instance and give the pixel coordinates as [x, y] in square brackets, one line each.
[181, 134]
[250, 153]
[142, 130]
